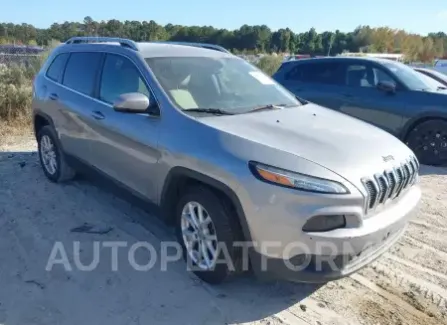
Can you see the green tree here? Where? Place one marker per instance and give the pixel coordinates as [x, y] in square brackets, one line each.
[246, 39]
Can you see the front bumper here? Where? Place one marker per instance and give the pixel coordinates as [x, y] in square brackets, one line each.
[282, 250]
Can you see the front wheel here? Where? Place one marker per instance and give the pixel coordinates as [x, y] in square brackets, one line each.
[428, 140]
[207, 233]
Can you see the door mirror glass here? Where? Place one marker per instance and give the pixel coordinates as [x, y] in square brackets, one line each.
[387, 86]
[131, 103]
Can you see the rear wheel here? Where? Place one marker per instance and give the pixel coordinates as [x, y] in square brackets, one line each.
[428, 140]
[52, 157]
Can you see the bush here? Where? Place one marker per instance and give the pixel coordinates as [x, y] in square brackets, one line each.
[270, 63]
[15, 92]
[16, 88]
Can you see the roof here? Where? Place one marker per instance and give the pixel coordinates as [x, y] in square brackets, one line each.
[150, 49]
[196, 44]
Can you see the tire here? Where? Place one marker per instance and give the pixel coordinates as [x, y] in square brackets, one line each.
[428, 140]
[225, 228]
[62, 172]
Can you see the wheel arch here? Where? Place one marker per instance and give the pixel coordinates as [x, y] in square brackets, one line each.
[179, 178]
[40, 120]
[412, 123]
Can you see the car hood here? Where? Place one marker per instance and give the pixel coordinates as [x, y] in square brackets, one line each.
[345, 145]
[437, 91]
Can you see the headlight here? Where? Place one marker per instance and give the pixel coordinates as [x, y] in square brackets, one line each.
[302, 182]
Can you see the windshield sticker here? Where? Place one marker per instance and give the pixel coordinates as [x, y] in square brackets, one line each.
[262, 78]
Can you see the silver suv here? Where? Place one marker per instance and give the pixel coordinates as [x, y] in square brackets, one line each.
[250, 176]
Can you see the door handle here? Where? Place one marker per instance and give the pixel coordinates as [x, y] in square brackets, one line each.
[54, 96]
[97, 115]
[348, 95]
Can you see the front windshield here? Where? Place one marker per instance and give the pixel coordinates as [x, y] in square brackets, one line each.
[229, 84]
[411, 78]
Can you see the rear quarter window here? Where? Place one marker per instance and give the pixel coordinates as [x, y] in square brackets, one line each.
[282, 68]
[294, 71]
[56, 67]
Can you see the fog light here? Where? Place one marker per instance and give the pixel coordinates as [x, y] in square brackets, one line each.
[324, 223]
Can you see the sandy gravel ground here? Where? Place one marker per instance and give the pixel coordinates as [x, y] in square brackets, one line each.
[407, 286]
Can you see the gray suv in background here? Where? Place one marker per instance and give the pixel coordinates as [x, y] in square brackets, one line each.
[248, 175]
[387, 94]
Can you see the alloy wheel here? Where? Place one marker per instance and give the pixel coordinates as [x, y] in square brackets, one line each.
[48, 154]
[199, 236]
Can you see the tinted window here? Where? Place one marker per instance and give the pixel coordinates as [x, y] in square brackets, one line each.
[56, 68]
[296, 73]
[321, 72]
[382, 75]
[366, 76]
[81, 71]
[120, 76]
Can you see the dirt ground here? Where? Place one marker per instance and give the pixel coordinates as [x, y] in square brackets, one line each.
[408, 285]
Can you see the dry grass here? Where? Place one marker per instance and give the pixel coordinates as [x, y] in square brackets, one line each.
[15, 102]
[17, 128]
[16, 96]
[15, 92]
[270, 63]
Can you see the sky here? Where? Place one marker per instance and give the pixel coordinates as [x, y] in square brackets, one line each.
[412, 15]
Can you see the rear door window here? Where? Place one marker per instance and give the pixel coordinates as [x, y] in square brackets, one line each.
[317, 72]
[80, 73]
[56, 68]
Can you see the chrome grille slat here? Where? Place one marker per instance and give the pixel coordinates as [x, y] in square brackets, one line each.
[373, 192]
[413, 170]
[393, 183]
[389, 184]
[383, 188]
[406, 172]
[401, 180]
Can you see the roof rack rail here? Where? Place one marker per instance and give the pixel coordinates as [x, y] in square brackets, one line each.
[93, 39]
[204, 45]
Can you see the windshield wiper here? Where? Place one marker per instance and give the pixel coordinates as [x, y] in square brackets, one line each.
[270, 106]
[216, 111]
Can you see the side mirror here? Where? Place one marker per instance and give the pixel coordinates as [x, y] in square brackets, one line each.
[131, 103]
[387, 86]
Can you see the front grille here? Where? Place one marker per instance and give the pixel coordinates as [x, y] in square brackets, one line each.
[390, 183]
